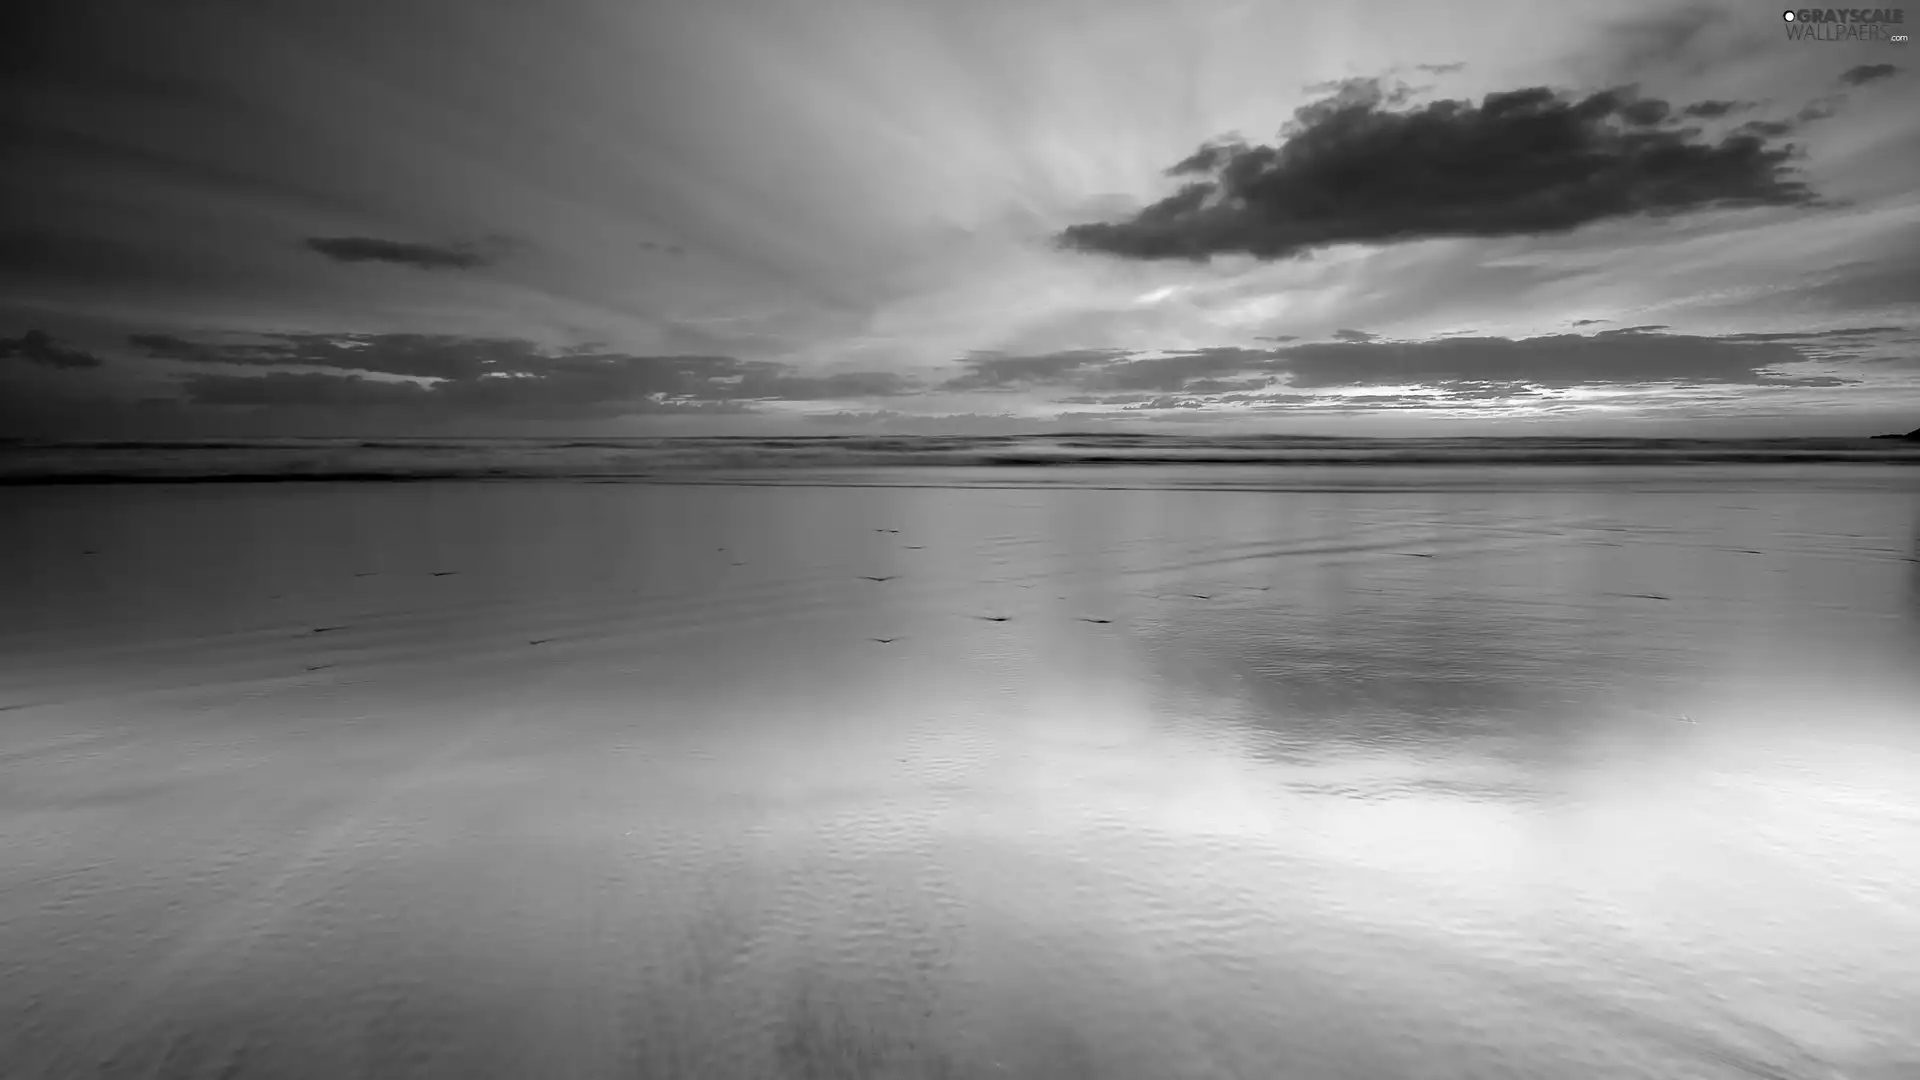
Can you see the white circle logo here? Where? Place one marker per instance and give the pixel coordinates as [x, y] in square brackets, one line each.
[1787, 15]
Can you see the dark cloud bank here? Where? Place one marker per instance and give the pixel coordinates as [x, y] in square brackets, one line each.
[1363, 167]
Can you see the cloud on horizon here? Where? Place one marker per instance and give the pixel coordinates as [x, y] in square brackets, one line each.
[575, 395]
[493, 375]
[1632, 356]
[446, 383]
[1356, 167]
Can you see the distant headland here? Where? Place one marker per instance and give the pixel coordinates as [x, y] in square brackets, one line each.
[1911, 436]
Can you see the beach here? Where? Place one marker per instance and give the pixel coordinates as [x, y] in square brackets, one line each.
[1156, 771]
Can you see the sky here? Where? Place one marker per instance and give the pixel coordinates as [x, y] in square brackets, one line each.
[1477, 217]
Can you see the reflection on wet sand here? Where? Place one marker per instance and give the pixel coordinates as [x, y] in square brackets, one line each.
[1592, 782]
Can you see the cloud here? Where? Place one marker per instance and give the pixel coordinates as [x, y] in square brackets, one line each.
[1168, 402]
[37, 347]
[565, 397]
[467, 359]
[1227, 386]
[1866, 73]
[1820, 108]
[1354, 335]
[281, 388]
[1827, 105]
[1356, 88]
[1845, 332]
[997, 371]
[1102, 399]
[1645, 112]
[1588, 322]
[854, 419]
[1453, 396]
[1352, 168]
[1460, 368]
[434, 356]
[764, 381]
[889, 423]
[1176, 371]
[1861, 345]
[1628, 357]
[355, 249]
[493, 375]
[1809, 381]
[1440, 69]
[1712, 110]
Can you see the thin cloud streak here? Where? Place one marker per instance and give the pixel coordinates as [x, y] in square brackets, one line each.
[364, 249]
[1866, 73]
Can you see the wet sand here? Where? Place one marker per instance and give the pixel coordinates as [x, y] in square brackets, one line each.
[583, 780]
